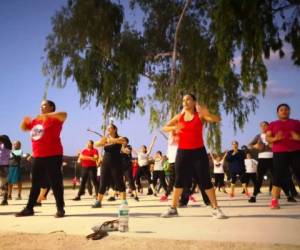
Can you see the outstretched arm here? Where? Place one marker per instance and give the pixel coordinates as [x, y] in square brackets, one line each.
[61, 116]
[151, 145]
[172, 125]
[205, 115]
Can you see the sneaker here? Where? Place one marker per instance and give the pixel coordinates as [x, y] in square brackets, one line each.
[274, 204]
[97, 204]
[252, 199]
[191, 198]
[77, 198]
[171, 212]
[291, 199]
[136, 198]
[60, 213]
[25, 212]
[155, 194]
[111, 198]
[163, 198]
[150, 192]
[4, 203]
[217, 213]
[38, 204]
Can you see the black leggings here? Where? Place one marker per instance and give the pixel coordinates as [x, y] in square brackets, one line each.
[88, 173]
[47, 169]
[219, 180]
[282, 164]
[251, 177]
[264, 165]
[143, 171]
[160, 175]
[192, 163]
[234, 175]
[129, 175]
[171, 178]
[111, 173]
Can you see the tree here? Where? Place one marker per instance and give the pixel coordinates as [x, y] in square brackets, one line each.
[91, 44]
[186, 46]
[212, 34]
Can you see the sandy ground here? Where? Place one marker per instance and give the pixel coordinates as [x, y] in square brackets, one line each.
[249, 226]
[61, 241]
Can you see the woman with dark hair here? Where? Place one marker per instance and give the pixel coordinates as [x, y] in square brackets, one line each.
[191, 159]
[111, 168]
[5, 148]
[126, 152]
[284, 136]
[47, 153]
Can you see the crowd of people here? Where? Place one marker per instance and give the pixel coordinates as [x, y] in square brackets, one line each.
[187, 168]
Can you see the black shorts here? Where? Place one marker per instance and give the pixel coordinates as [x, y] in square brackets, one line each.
[192, 163]
[283, 163]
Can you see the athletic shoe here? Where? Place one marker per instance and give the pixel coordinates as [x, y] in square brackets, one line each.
[60, 213]
[25, 212]
[136, 198]
[38, 204]
[111, 198]
[191, 198]
[163, 198]
[155, 194]
[252, 199]
[97, 204]
[150, 192]
[171, 212]
[77, 198]
[291, 199]
[274, 204]
[4, 203]
[217, 213]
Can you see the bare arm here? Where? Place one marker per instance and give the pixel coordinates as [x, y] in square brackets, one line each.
[272, 139]
[205, 115]
[25, 123]
[151, 145]
[61, 116]
[172, 125]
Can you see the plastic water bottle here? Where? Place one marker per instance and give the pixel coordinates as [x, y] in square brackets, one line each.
[123, 215]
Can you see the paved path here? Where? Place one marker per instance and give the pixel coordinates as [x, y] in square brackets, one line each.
[246, 222]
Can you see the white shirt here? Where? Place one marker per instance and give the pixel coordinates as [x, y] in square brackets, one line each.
[172, 149]
[142, 159]
[251, 165]
[158, 165]
[218, 167]
[267, 154]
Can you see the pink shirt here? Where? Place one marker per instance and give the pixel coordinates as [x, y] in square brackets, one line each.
[287, 144]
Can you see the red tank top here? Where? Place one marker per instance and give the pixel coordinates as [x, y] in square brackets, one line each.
[190, 136]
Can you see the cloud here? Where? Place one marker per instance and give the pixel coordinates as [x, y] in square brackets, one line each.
[275, 90]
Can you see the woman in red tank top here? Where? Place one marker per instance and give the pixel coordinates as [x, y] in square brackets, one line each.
[191, 159]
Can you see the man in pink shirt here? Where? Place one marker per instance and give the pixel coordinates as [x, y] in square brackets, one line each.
[284, 136]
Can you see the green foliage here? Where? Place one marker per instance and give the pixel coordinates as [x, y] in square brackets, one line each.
[92, 45]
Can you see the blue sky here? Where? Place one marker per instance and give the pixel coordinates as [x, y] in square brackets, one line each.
[24, 26]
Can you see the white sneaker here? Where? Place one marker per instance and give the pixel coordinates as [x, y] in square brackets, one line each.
[218, 214]
[171, 212]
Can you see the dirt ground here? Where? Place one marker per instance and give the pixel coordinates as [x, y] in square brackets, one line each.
[60, 240]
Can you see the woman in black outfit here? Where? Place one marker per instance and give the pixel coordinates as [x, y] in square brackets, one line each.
[111, 168]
